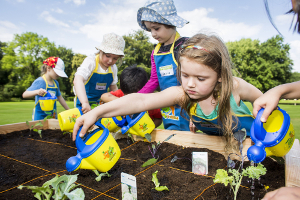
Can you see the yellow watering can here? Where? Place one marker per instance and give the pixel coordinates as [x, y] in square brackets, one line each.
[113, 124]
[97, 151]
[273, 138]
[140, 125]
[47, 102]
[67, 118]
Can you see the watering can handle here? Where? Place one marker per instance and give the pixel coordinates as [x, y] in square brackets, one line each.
[79, 142]
[259, 131]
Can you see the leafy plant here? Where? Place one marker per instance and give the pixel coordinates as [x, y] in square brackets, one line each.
[153, 152]
[33, 127]
[156, 183]
[253, 172]
[61, 188]
[100, 175]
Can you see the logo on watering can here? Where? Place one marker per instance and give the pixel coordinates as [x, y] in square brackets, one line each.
[73, 118]
[289, 143]
[143, 127]
[110, 154]
[107, 123]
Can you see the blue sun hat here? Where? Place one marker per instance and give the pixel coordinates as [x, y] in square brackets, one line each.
[160, 11]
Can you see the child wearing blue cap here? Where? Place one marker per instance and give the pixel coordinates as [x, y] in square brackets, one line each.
[160, 18]
[52, 69]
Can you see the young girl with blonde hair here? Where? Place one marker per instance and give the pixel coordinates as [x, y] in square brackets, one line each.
[53, 67]
[209, 93]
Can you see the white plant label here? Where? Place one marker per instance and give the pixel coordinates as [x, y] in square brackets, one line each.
[200, 163]
[128, 186]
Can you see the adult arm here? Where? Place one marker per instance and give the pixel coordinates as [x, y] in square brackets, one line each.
[129, 104]
[270, 99]
[152, 83]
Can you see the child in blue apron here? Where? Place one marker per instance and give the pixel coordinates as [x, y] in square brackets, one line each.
[52, 69]
[209, 93]
[161, 19]
[98, 72]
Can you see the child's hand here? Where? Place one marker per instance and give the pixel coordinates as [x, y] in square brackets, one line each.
[269, 102]
[41, 92]
[86, 121]
[86, 108]
[192, 127]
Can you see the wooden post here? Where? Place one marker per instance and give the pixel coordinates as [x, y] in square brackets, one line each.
[292, 166]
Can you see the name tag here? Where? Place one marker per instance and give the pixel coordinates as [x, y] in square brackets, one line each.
[52, 93]
[166, 70]
[100, 86]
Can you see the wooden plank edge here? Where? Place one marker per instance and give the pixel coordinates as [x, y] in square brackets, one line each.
[292, 166]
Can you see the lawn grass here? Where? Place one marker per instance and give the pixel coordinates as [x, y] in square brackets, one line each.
[15, 112]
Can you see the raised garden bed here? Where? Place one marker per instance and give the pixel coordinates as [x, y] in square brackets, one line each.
[28, 159]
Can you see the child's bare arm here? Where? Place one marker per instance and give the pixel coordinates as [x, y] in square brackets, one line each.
[270, 99]
[129, 104]
[81, 93]
[63, 102]
[29, 94]
[107, 97]
[113, 87]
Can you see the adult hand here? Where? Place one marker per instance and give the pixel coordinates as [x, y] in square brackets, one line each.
[85, 107]
[86, 121]
[284, 193]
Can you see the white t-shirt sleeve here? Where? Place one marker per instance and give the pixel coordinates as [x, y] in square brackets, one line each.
[115, 72]
[87, 67]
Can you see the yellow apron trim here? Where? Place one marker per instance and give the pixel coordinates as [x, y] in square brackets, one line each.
[193, 112]
[96, 69]
[47, 86]
[171, 49]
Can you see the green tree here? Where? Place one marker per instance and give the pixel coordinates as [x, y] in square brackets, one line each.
[138, 51]
[295, 77]
[76, 62]
[23, 57]
[265, 65]
[3, 73]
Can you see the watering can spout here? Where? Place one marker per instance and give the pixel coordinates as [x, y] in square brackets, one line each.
[273, 138]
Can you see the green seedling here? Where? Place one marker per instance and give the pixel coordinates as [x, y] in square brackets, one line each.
[235, 179]
[153, 152]
[33, 127]
[156, 183]
[100, 175]
[59, 188]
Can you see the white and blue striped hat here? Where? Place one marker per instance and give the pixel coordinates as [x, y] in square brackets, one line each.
[160, 11]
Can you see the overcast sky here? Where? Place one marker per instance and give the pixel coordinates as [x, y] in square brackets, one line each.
[81, 24]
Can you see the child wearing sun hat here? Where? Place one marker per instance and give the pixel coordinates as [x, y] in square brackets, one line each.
[52, 69]
[160, 18]
[98, 72]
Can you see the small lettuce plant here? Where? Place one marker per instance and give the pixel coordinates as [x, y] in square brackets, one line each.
[33, 127]
[100, 175]
[157, 184]
[235, 179]
[59, 188]
[153, 152]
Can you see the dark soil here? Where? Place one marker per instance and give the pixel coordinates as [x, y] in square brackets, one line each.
[28, 159]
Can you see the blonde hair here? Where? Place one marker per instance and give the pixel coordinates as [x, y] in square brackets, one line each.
[44, 69]
[118, 63]
[213, 54]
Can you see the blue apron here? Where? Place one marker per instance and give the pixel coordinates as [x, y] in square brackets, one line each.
[166, 66]
[96, 85]
[207, 123]
[38, 113]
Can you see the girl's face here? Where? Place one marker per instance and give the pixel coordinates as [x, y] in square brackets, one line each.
[161, 33]
[51, 73]
[108, 59]
[198, 80]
